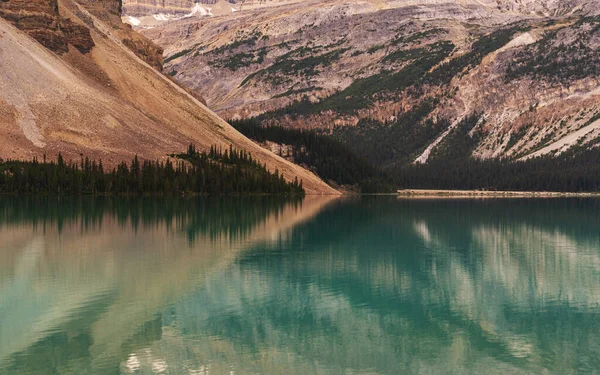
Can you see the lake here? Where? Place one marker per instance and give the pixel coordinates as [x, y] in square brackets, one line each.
[371, 285]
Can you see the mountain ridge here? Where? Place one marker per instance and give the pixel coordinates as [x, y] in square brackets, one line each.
[537, 7]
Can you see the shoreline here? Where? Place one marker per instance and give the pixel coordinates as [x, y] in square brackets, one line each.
[432, 193]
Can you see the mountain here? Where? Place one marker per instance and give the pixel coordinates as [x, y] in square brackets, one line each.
[82, 91]
[547, 7]
[401, 81]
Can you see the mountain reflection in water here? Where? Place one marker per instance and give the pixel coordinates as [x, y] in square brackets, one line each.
[320, 286]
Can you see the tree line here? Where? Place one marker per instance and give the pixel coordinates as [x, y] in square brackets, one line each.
[573, 171]
[330, 159]
[450, 166]
[218, 172]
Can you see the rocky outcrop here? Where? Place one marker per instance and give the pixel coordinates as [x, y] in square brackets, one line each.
[109, 11]
[141, 8]
[78, 36]
[146, 50]
[106, 10]
[147, 7]
[41, 20]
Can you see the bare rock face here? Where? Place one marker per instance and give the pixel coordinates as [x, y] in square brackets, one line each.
[146, 50]
[105, 9]
[41, 20]
[77, 36]
[147, 7]
[110, 12]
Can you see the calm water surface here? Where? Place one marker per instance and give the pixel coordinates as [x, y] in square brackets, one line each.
[320, 286]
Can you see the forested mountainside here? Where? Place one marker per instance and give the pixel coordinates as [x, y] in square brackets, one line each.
[393, 79]
[75, 80]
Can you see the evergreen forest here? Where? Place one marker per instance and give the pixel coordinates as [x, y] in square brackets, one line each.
[218, 172]
[350, 161]
[329, 158]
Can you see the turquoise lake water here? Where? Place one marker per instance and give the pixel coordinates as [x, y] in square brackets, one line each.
[321, 286]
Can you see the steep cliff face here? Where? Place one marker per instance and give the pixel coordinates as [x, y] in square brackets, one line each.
[107, 104]
[147, 7]
[41, 20]
[110, 12]
[166, 8]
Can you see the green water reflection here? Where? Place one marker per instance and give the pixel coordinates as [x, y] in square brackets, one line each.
[320, 286]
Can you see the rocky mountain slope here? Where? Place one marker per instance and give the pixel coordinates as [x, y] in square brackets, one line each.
[395, 78]
[146, 7]
[83, 92]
